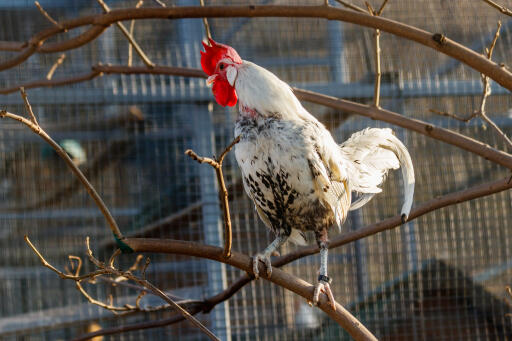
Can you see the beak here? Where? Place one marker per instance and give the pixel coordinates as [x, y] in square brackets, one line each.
[210, 80]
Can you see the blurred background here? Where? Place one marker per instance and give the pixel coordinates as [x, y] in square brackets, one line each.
[440, 277]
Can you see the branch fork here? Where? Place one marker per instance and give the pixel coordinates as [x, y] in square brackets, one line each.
[223, 192]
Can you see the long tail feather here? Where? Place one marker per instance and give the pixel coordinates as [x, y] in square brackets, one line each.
[373, 153]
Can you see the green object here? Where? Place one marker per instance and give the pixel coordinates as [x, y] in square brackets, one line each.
[122, 245]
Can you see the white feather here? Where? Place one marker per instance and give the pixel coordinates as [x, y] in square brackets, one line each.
[373, 153]
[231, 74]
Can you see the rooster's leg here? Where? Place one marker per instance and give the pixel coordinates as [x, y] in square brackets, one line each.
[265, 255]
[324, 281]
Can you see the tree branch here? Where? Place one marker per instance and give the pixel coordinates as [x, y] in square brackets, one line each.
[378, 74]
[351, 6]
[132, 28]
[445, 135]
[499, 7]
[110, 269]
[101, 22]
[244, 262]
[36, 128]
[54, 67]
[223, 192]
[47, 16]
[486, 92]
[129, 36]
[432, 205]
[281, 278]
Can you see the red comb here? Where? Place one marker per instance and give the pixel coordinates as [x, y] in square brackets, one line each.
[212, 54]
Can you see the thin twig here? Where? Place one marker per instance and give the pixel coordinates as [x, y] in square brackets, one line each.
[455, 116]
[160, 3]
[55, 66]
[130, 38]
[47, 16]
[132, 27]
[369, 8]
[351, 6]
[28, 107]
[497, 129]
[379, 12]
[206, 26]
[378, 73]
[36, 128]
[108, 268]
[486, 92]
[223, 192]
[156, 291]
[499, 7]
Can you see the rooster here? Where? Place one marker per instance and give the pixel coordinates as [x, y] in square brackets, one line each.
[300, 179]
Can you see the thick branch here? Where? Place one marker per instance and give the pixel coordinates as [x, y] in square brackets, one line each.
[445, 135]
[100, 22]
[434, 204]
[244, 262]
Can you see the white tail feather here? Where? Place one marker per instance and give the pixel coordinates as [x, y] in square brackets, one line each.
[373, 153]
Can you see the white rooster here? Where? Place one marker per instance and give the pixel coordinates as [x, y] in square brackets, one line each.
[299, 178]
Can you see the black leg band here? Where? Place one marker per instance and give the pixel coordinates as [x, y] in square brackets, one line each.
[325, 279]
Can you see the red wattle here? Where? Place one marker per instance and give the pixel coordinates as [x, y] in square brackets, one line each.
[224, 93]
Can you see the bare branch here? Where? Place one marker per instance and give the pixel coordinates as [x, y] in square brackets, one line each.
[486, 92]
[499, 7]
[55, 66]
[111, 270]
[438, 133]
[223, 192]
[369, 8]
[497, 129]
[160, 3]
[206, 26]
[99, 23]
[455, 116]
[130, 38]
[28, 107]
[34, 126]
[378, 73]
[351, 6]
[47, 16]
[190, 248]
[132, 27]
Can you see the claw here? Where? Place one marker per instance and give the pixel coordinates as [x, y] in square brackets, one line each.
[324, 287]
[263, 258]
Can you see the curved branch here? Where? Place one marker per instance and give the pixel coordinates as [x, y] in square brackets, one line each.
[445, 135]
[424, 128]
[435, 41]
[244, 262]
[297, 285]
[387, 224]
[208, 304]
[34, 126]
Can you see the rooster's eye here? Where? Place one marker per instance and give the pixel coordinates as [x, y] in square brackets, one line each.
[221, 66]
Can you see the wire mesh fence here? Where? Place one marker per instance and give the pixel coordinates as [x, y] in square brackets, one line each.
[441, 276]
